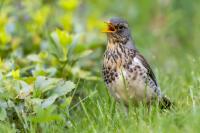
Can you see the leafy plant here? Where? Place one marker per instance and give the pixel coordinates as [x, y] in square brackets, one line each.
[38, 101]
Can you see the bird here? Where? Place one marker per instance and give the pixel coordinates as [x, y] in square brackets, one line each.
[126, 73]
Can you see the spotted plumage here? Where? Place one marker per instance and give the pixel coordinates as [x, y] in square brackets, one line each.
[126, 73]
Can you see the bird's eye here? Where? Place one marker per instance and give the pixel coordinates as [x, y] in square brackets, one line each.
[120, 27]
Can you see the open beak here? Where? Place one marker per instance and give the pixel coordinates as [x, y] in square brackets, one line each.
[110, 28]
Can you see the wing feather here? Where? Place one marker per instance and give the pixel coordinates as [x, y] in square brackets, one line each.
[147, 66]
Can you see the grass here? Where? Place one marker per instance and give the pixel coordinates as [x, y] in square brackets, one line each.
[100, 113]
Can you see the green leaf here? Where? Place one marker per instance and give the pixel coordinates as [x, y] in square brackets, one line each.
[36, 101]
[63, 88]
[83, 74]
[45, 115]
[33, 57]
[58, 46]
[3, 103]
[1, 76]
[3, 114]
[63, 37]
[25, 90]
[49, 101]
[59, 87]
[16, 74]
[45, 84]
[68, 4]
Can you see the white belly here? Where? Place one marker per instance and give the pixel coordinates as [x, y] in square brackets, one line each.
[128, 89]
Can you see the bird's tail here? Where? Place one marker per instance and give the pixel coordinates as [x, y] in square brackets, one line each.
[165, 103]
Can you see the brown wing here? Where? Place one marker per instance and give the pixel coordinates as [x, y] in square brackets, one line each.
[145, 63]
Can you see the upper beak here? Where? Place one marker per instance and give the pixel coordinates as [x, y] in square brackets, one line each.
[110, 27]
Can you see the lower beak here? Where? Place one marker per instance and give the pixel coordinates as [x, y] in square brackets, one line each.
[110, 28]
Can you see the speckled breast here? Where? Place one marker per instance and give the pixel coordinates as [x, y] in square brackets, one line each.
[127, 78]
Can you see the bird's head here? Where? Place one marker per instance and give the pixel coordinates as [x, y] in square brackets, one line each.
[117, 30]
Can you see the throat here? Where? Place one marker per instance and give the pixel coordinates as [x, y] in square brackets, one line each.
[114, 43]
[112, 46]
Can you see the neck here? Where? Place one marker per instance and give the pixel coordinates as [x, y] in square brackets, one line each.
[114, 43]
[112, 46]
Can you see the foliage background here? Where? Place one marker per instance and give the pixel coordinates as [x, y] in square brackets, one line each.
[50, 65]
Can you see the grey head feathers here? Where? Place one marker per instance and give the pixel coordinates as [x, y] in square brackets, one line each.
[120, 32]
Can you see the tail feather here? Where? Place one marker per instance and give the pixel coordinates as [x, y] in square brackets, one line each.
[165, 103]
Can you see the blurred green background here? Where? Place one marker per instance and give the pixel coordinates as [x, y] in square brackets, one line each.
[62, 39]
[162, 29]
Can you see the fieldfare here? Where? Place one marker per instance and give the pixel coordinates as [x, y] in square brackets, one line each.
[126, 72]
